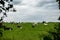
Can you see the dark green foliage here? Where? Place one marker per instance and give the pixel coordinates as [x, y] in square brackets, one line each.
[58, 27]
[47, 38]
[1, 33]
[58, 32]
[56, 35]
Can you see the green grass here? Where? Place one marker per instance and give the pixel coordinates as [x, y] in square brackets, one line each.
[27, 32]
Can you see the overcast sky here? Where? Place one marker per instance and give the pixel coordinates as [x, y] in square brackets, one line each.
[34, 11]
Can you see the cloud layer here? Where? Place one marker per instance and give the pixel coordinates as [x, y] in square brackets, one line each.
[34, 11]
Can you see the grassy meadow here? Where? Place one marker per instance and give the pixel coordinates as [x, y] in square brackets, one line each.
[27, 32]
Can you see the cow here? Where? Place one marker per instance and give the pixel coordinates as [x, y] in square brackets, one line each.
[0, 25]
[7, 28]
[19, 27]
[44, 22]
[33, 25]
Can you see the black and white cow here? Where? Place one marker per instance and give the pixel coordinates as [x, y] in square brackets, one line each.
[45, 23]
[19, 27]
[7, 28]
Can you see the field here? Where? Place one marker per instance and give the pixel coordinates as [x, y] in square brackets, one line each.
[27, 32]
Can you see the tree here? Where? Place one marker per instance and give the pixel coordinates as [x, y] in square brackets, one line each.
[59, 18]
[56, 34]
[58, 3]
[4, 9]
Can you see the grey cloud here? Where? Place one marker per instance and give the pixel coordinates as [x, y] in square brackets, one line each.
[40, 4]
[32, 13]
[15, 2]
